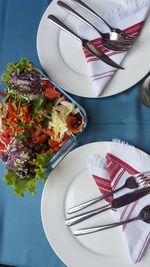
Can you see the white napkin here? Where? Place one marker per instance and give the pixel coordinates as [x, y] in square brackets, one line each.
[121, 161]
[129, 15]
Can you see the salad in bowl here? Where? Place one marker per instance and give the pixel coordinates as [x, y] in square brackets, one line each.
[37, 119]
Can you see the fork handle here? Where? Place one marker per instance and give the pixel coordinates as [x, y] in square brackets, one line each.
[92, 201]
[93, 12]
[86, 215]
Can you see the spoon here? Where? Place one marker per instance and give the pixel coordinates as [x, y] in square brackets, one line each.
[144, 216]
[119, 33]
[85, 43]
[111, 40]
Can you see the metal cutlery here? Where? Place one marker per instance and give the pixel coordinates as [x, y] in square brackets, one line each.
[144, 215]
[110, 40]
[85, 43]
[116, 203]
[132, 182]
[119, 33]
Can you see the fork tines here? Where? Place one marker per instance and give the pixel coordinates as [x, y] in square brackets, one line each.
[143, 178]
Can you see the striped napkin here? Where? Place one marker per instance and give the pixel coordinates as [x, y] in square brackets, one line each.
[120, 162]
[129, 15]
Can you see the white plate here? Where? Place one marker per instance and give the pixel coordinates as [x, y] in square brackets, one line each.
[69, 69]
[67, 185]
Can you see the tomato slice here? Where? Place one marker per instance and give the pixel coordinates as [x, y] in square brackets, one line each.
[54, 145]
[38, 136]
[49, 90]
[50, 132]
[46, 83]
[74, 122]
[24, 110]
[11, 110]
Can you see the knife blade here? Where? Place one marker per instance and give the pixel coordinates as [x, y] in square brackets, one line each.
[116, 203]
[85, 43]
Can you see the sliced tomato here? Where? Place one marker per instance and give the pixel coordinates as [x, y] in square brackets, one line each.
[11, 110]
[49, 90]
[24, 110]
[54, 145]
[14, 122]
[46, 84]
[74, 122]
[51, 93]
[25, 118]
[38, 136]
[50, 132]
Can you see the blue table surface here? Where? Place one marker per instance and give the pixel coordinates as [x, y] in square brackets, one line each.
[22, 238]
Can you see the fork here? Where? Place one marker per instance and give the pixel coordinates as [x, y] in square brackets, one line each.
[110, 40]
[127, 38]
[132, 182]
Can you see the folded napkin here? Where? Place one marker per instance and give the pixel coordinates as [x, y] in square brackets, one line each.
[129, 15]
[120, 162]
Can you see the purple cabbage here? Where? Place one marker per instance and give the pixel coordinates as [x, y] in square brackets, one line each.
[28, 84]
[17, 159]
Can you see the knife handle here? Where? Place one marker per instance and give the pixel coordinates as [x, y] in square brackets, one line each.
[63, 26]
[130, 197]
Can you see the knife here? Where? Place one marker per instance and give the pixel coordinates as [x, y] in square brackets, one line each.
[116, 203]
[85, 43]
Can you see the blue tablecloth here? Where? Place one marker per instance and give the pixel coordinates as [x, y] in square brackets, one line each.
[22, 239]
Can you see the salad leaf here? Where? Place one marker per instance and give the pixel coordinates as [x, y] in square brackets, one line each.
[20, 186]
[18, 68]
[38, 105]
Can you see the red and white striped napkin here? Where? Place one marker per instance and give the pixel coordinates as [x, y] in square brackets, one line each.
[129, 15]
[110, 172]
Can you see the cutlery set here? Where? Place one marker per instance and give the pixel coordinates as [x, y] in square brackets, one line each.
[133, 182]
[111, 40]
[115, 39]
[85, 43]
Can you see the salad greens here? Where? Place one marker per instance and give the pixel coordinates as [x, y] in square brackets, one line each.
[35, 122]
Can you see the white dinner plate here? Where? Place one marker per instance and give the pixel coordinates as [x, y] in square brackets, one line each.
[69, 184]
[69, 69]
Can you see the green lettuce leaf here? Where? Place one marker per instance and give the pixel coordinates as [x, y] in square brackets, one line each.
[18, 68]
[20, 186]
